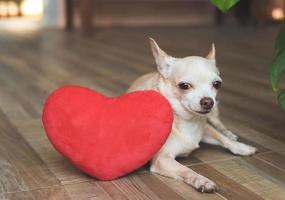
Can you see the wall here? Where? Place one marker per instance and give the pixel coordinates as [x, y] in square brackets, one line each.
[53, 13]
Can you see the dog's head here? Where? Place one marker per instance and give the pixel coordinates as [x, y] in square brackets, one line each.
[191, 83]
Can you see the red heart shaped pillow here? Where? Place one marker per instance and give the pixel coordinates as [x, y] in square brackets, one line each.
[107, 137]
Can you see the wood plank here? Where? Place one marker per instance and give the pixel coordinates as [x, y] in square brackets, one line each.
[273, 173]
[249, 176]
[253, 121]
[86, 190]
[159, 188]
[112, 190]
[133, 187]
[21, 168]
[275, 159]
[17, 195]
[52, 193]
[225, 183]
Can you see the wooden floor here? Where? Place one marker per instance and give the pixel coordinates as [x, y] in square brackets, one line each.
[34, 63]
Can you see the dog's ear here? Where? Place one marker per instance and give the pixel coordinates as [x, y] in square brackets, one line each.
[212, 54]
[163, 61]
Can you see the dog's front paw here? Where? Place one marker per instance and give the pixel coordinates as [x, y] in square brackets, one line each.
[243, 149]
[231, 135]
[202, 184]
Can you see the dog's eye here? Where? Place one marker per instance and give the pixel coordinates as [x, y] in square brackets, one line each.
[184, 86]
[217, 84]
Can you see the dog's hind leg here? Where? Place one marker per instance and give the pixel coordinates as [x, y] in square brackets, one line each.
[166, 165]
[214, 120]
[212, 136]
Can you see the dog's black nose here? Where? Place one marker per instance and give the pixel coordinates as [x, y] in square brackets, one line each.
[207, 103]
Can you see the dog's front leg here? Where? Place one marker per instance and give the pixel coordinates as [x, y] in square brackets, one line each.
[212, 136]
[166, 165]
[215, 121]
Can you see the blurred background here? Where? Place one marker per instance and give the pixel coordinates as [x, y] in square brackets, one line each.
[103, 44]
[87, 14]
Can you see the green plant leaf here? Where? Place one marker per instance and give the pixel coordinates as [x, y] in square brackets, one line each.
[224, 5]
[277, 70]
[280, 40]
[281, 100]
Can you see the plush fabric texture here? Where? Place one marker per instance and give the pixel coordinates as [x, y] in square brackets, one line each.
[107, 137]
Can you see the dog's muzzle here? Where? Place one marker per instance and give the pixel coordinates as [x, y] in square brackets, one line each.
[207, 103]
